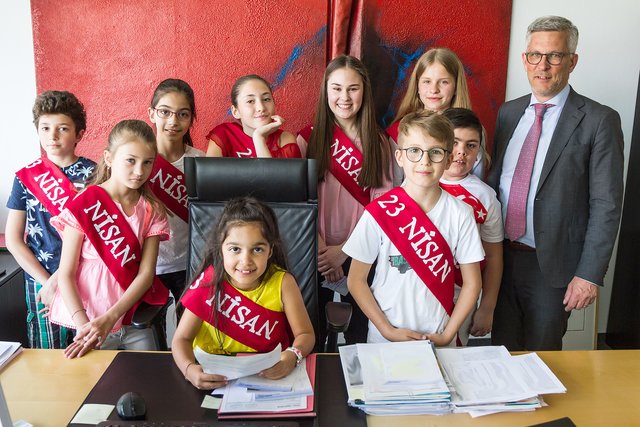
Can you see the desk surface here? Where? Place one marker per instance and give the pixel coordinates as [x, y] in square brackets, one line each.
[44, 388]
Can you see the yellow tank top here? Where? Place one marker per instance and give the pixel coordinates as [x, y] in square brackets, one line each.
[267, 294]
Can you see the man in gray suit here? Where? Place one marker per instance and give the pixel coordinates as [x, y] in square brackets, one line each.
[558, 173]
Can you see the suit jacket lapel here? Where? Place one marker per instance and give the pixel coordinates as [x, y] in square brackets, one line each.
[569, 119]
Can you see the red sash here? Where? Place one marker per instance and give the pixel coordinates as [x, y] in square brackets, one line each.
[167, 183]
[346, 165]
[461, 193]
[419, 242]
[48, 184]
[239, 318]
[117, 245]
[239, 144]
[392, 130]
[479, 213]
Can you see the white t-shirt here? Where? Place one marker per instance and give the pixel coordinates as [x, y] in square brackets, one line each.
[402, 296]
[491, 230]
[172, 255]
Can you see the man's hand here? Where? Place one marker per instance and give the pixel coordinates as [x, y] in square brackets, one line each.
[580, 294]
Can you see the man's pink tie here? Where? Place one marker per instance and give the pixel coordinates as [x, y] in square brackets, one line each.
[516, 222]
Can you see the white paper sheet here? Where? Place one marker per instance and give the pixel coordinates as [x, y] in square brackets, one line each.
[401, 370]
[295, 384]
[485, 375]
[238, 399]
[538, 375]
[8, 350]
[234, 367]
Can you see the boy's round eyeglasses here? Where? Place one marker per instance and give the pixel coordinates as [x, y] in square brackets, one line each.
[553, 58]
[414, 154]
[182, 115]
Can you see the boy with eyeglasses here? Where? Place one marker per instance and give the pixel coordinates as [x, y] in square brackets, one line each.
[40, 191]
[417, 233]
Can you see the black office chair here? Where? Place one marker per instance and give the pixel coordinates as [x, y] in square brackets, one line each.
[154, 317]
[289, 187]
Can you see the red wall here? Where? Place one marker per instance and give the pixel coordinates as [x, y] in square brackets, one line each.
[397, 32]
[112, 53]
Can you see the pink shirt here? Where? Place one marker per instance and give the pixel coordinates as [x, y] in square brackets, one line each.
[338, 210]
[97, 287]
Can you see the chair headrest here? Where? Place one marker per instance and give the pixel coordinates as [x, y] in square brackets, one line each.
[213, 179]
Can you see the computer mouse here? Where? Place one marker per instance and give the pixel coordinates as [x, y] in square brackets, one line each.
[131, 406]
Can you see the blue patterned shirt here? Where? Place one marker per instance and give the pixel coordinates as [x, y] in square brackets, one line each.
[42, 238]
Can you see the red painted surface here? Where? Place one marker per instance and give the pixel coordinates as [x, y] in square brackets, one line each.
[478, 31]
[113, 53]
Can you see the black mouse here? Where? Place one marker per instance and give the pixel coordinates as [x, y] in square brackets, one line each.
[131, 406]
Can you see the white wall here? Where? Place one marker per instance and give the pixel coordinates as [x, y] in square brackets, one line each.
[19, 143]
[607, 71]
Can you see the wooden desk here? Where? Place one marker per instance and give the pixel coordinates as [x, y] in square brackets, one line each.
[603, 387]
[46, 389]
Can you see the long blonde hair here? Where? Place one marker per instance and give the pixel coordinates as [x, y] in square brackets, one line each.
[139, 130]
[450, 61]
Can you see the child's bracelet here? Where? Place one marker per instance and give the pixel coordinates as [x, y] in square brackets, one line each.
[297, 352]
[186, 370]
[77, 311]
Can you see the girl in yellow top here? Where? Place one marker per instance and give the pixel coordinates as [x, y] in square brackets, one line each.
[257, 304]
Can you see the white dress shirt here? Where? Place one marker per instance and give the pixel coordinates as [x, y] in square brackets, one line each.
[549, 123]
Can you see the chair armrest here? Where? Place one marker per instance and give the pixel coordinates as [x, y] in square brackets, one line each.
[338, 316]
[146, 314]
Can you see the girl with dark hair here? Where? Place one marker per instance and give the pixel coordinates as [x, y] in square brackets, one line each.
[258, 131]
[243, 300]
[172, 111]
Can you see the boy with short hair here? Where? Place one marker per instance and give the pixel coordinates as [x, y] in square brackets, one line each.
[40, 191]
[416, 233]
[459, 181]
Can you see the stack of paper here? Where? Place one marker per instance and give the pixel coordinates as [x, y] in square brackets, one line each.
[258, 397]
[8, 350]
[394, 378]
[405, 378]
[486, 380]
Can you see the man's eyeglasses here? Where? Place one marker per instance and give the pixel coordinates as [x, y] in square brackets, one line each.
[553, 58]
[182, 115]
[414, 154]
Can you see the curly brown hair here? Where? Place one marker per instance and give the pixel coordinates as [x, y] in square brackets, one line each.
[60, 102]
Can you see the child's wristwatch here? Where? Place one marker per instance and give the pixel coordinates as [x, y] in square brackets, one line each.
[298, 354]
